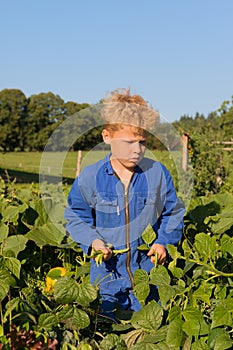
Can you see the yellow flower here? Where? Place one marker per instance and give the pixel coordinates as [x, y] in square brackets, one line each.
[52, 277]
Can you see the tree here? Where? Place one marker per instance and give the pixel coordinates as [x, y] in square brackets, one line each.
[44, 113]
[73, 107]
[13, 108]
[226, 120]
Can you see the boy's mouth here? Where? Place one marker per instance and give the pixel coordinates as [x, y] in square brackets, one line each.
[135, 159]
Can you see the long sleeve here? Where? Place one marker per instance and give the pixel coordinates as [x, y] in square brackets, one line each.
[171, 211]
[80, 216]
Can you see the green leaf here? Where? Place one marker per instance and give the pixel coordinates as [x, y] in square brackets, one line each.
[227, 244]
[219, 339]
[24, 194]
[204, 292]
[186, 248]
[54, 273]
[141, 291]
[179, 289]
[141, 276]
[50, 208]
[42, 207]
[205, 246]
[80, 319]
[14, 244]
[166, 293]
[110, 342]
[173, 252]
[13, 265]
[6, 281]
[221, 317]
[156, 337]
[4, 231]
[149, 317]
[120, 327]
[191, 327]
[175, 312]
[7, 278]
[48, 234]
[176, 271]
[148, 235]
[66, 290]
[192, 316]
[56, 213]
[83, 270]
[150, 346]
[222, 225]
[66, 312]
[200, 345]
[86, 294]
[159, 276]
[11, 213]
[83, 346]
[10, 306]
[4, 289]
[175, 334]
[132, 337]
[143, 247]
[229, 303]
[220, 292]
[47, 321]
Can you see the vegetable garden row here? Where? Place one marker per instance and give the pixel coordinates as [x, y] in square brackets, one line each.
[47, 302]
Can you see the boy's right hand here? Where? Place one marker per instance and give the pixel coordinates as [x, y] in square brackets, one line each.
[99, 245]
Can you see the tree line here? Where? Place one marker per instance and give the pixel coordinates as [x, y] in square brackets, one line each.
[27, 123]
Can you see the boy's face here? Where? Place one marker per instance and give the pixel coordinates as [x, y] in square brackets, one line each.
[127, 146]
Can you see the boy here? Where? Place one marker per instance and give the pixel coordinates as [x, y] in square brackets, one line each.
[113, 200]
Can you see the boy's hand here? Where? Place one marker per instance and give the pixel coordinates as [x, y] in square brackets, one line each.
[160, 251]
[99, 245]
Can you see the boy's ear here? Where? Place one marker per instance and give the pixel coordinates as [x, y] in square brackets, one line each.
[106, 136]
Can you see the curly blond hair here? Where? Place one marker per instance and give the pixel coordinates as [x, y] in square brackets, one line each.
[120, 107]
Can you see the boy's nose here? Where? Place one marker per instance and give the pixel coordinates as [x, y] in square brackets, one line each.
[137, 147]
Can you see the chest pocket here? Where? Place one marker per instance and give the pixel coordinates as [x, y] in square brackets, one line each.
[149, 199]
[107, 211]
[147, 209]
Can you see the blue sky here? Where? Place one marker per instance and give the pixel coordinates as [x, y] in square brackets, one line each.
[178, 54]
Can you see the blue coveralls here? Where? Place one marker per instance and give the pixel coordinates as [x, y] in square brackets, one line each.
[100, 207]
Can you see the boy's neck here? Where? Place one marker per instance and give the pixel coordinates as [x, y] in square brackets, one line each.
[124, 174]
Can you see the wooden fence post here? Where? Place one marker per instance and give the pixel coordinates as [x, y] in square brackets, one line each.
[185, 138]
[78, 166]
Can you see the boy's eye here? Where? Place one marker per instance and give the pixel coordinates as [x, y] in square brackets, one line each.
[131, 142]
[142, 142]
[128, 141]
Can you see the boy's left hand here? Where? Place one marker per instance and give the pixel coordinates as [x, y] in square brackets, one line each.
[161, 254]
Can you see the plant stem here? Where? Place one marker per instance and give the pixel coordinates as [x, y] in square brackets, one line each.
[211, 268]
[1, 314]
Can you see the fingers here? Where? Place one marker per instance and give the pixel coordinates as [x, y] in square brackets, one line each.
[107, 253]
[157, 260]
[99, 246]
[157, 254]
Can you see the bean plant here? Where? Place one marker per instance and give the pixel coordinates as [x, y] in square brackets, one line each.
[195, 285]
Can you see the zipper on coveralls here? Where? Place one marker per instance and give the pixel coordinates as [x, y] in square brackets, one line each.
[126, 203]
[128, 256]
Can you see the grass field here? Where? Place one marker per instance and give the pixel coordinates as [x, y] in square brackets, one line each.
[26, 166]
